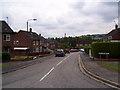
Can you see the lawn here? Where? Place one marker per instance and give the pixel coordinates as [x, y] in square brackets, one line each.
[5, 64]
[115, 67]
[21, 57]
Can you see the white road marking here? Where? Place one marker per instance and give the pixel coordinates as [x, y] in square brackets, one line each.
[53, 68]
[47, 74]
[63, 60]
[59, 63]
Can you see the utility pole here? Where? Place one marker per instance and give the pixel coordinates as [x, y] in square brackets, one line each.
[65, 35]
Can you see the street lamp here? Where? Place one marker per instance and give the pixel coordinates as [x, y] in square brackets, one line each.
[28, 21]
[27, 31]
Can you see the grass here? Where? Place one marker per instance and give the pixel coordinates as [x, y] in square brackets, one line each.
[6, 64]
[20, 57]
[115, 67]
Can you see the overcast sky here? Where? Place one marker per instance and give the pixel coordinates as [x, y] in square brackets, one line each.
[56, 17]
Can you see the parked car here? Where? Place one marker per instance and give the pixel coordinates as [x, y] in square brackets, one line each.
[60, 52]
[82, 50]
[67, 50]
[73, 50]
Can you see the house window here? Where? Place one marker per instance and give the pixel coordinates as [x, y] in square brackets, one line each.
[6, 49]
[37, 42]
[33, 42]
[6, 37]
[110, 37]
[41, 42]
[40, 49]
[37, 49]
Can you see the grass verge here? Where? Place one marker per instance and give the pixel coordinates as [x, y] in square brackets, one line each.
[21, 57]
[5, 64]
[115, 67]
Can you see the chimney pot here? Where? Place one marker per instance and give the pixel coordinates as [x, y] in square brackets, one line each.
[30, 29]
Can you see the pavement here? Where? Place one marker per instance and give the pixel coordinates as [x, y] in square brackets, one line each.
[16, 65]
[92, 66]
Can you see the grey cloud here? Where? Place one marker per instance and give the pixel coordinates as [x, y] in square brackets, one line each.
[110, 3]
[60, 21]
[106, 10]
[47, 26]
[70, 27]
[78, 5]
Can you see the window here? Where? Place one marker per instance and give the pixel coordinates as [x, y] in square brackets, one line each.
[41, 42]
[37, 49]
[6, 49]
[37, 42]
[40, 49]
[110, 37]
[33, 42]
[6, 37]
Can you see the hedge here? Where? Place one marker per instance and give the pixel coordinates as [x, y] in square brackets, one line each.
[87, 49]
[113, 48]
[5, 56]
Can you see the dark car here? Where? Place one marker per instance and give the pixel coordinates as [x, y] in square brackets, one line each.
[60, 53]
[67, 50]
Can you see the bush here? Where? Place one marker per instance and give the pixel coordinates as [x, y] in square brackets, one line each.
[106, 47]
[87, 49]
[5, 56]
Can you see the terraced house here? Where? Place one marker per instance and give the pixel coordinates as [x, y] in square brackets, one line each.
[7, 38]
[24, 43]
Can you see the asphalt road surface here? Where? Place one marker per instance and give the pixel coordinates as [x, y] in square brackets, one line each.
[54, 72]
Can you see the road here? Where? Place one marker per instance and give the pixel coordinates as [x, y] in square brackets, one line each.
[54, 72]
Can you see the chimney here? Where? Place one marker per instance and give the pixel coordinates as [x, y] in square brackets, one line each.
[116, 26]
[30, 29]
[40, 35]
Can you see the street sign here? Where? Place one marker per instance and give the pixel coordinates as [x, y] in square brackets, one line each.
[103, 53]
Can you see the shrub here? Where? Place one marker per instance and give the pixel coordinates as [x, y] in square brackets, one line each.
[109, 47]
[87, 49]
[5, 56]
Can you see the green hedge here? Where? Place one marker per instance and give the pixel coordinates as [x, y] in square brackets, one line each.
[113, 48]
[5, 56]
[87, 49]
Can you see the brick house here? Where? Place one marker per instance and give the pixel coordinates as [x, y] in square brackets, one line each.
[23, 43]
[83, 43]
[7, 38]
[28, 43]
[51, 44]
[113, 35]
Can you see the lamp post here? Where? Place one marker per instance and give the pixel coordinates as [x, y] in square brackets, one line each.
[28, 21]
[27, 31]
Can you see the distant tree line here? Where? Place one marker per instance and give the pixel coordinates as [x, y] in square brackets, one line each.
[70, 42]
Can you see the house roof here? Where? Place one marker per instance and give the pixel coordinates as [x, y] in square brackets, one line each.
[113, 32]
[5, 27]
[32, 35]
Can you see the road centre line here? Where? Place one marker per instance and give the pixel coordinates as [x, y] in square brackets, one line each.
[53, 69]
[63, 60]
[47, 74]
[59, 63]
